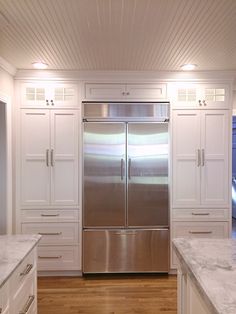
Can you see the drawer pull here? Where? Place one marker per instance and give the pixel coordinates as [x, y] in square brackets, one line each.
[27, 270]
[49, 233]
[200, 214]
[200, 232]
[27, 305]
[50, 215]
[50, 257]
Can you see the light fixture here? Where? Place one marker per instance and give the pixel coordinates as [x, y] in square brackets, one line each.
[40, 65]
[188, 67]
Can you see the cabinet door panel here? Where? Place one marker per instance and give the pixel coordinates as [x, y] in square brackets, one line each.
[146, 91]
[65, 95]
[64, 157]
[104, 91]
[186, 170]
[35, 178]
[214, 138]
[33, 95]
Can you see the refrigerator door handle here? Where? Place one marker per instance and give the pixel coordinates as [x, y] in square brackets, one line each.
[129, 168]
[122, 168]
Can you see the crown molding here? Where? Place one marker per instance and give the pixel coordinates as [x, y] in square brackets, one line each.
[6, 66]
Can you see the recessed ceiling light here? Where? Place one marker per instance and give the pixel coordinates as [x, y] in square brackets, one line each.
[40, 65]
[188, 67]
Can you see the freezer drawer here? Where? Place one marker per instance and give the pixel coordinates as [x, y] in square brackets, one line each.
[120, 251]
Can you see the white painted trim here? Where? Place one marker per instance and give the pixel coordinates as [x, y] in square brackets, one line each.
[7, 101]
[7, 66]
[234, 112]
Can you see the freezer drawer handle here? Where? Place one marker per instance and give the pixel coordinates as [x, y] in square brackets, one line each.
[122, 169]
[27, 305]
[50, 233]
[129, 166]
[125, 233]
[50, 215]
[200, 214]
[200, 232]
[50, 257]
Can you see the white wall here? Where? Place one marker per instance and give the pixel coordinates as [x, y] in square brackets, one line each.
[3, 179]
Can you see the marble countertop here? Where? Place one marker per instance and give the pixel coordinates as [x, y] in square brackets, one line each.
[13, 249]
[211, 264]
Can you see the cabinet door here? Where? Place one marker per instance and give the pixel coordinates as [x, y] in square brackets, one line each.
[214, 159]
[64, 95]
[185, 95]
[64, 157]
[215, 96]
[104, 91]
[146, 91]
[35, 170]
[34, 95]
[186, 163]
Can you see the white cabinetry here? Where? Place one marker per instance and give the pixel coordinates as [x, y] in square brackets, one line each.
[19, 293]
[200, 96]
[49, 157]
[49, 95]
[200, 158]
[116, 91]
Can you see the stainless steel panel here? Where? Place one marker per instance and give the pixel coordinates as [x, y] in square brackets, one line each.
[104, 174]
[148, 174]
[119, 251]
[123, 111]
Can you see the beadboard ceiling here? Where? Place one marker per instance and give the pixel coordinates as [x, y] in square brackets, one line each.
[119, 34]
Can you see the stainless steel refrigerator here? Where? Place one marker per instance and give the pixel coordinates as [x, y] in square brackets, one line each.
[125, 187]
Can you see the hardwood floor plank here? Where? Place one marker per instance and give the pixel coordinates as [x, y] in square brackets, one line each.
[123, 294]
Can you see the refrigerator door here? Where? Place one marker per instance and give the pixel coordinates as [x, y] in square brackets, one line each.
[120, 251]
[104, 174]
[147, 174]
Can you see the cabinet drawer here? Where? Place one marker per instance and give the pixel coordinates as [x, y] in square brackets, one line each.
[58, 258]
[200, 214]
[198, 230]
[23, 272]
[66, 215]
[4, 298]
[53, 233]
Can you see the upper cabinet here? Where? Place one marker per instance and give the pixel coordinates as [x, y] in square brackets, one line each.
[200, 96]
[123, 92]
[48, 95]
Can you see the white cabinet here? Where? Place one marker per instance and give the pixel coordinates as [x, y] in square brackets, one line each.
[200, 158]
[49, 95]
[49, 158]
[200, 96]
[116, 91]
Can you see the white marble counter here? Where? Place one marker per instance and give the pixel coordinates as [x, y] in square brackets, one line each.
[13, 249]
[211, 263]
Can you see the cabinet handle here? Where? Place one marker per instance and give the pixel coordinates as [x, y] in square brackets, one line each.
[203, 157]
[49, 233]
[50, 257]
[204, 103]
[27, 304]
[52, 157]
[47, 157]
[47, 102]
[52, 103]
[200, 214]
[26, 270]
[200, 103]
[198, 157]
[50, 215]
[127, 93]
[123, 93]
[200, 232]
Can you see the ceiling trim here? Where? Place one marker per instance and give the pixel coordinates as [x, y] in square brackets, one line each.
[7, 66]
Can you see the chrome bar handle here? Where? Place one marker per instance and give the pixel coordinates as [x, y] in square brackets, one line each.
[203, 157]
[121, 168]
[52, 157]
[198, 157]
[26, 270]
[47, 157]
[129, 169]
[200, 214]
[49, 233]
[50, 257]
[50, 215]
[200, 232]
[27, 305]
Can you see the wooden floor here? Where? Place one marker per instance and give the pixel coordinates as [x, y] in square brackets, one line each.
[108, 295]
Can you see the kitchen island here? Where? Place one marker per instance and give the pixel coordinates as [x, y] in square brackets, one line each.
[18, 273]
[206, 275]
